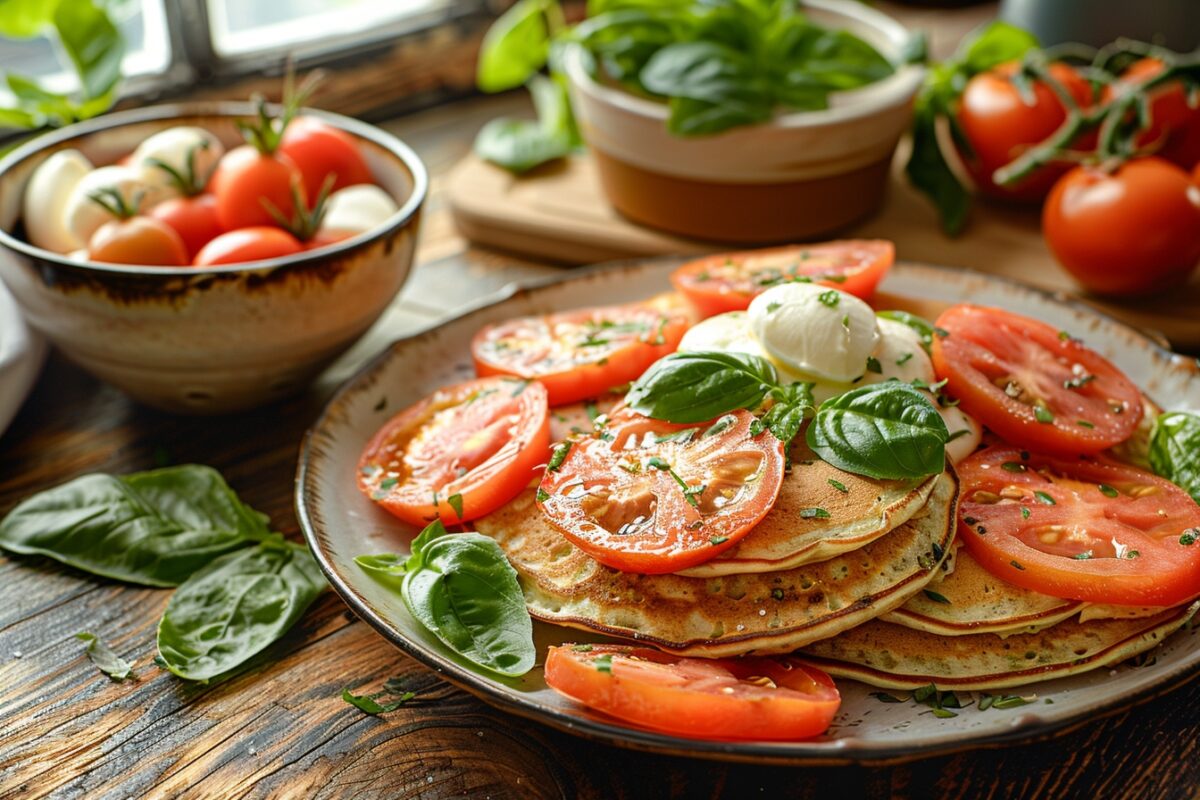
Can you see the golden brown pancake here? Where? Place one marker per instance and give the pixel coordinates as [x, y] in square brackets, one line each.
[897, 657]
[729, 615]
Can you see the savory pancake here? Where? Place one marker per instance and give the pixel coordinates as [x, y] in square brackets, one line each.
[773, 612]
[897, 657]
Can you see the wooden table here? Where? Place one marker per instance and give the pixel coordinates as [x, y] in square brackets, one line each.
[280, 728]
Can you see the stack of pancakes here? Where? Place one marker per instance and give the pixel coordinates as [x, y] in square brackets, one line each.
[877, 591]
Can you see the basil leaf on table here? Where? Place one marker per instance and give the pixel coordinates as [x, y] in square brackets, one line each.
[462, 589]
[104, 658]
[235, 607]
[519, 145]
[689, 387]
[153, 528]
[885, 430]
[1175, 450]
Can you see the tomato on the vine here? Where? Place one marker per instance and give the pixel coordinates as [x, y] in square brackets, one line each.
[1174, 123]
[999, 125]
[1130, 231]
[319, 150]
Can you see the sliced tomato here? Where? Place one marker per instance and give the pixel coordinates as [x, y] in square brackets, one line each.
[460, 453]
[640, 495]
[729, 281]
[1032, 384]
[729, 698]
[1083, 529]
[579, 354]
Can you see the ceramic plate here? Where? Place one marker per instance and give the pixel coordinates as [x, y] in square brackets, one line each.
[21, 355]
[341, 524]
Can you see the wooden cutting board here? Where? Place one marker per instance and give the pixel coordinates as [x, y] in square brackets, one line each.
[559, 213]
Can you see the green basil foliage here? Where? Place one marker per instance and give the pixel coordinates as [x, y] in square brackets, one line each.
[235, 607]
[519, 145]
[154, 528]
[994, 44]
[688, 387]
[1175, 450]
[391, 697]
[922, 326]
[462, 589]
[90, 41]
[886, 430]
[717, 64]
[105, 659]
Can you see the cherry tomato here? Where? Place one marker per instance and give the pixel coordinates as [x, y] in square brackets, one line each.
[247, 244]
[318, 150]
[729, 281]
[777, 699]
[460, 453]
[579, 354]
[324, 238]
[248, 183]
[1174, 125]
[1081, 529]
[138, 240]
[1132, 231]
[999, 125]
[193, 218]
[1032, 384]
[645, 496]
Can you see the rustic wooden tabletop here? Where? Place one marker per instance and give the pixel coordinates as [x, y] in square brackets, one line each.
[280, 727]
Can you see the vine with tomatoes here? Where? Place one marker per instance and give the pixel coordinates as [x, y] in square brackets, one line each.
[1107, 139]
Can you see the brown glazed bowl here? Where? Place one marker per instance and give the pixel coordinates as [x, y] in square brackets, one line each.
[798, 176]
[209, 339]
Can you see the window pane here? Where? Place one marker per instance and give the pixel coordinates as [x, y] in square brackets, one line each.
[247, 26]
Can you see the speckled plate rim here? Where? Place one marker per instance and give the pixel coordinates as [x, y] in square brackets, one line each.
[1027, 727]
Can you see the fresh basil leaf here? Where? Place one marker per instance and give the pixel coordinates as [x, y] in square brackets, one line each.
[695, 387]
[387, 568]
[235, 607]
[461, 588]
[711, 88]
[24, 19]
[1175, 450]
[514, 48]
[519, 145]
[994, 44]
[154, 528]
[92, 42]
[369, 703]
[105, 659]
[922, 326]
[886, 430]
[931, 175]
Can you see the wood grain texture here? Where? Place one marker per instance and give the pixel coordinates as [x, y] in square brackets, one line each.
[279, 728]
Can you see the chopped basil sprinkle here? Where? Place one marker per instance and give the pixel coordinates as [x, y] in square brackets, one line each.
[814, 513]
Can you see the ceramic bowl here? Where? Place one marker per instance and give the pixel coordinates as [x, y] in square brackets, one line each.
[21, 354]
[209, 339]
[801, 175]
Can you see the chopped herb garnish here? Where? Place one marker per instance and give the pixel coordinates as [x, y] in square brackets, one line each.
[1084, 556]
[369, 703]
[1024, 512]
[1009, 701]
[1044, 498]
[1189, 536]
[1063, 336]
[1132, 554]
[388, 483]
[1017, 564]
[455, 501]
[958, 434]
[830, 298]
[904, 359]
[720, 426]
[718, 540]
[520, 387]
[814, 513]
[558, 456]
[937, 598]
[603, 663]
[1013, 466]
[689, 492]
[940, 332]
[841, 487]
[1079, 382]
[773, 307]
[1108, 491]
[581, 648]
[884, 697]
[542, 495]
[1083, 423]
[873, 365]
[846, 321]
[777, 593]
[1043, 415]
[593, 413]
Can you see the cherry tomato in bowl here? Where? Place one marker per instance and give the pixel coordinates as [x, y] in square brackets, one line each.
[1082, 529]
[193, 218]
[1134, 230]
[138, 240]
[729, 281]
[999, 125]
[460, 453]
[1031, 384]
[247, 244]
[580, 354]
[751, 698]
[320, 150]
[249, 184]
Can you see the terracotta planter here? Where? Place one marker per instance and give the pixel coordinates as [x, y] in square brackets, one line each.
[801, 175]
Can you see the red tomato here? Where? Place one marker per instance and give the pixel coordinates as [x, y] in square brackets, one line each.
[460, 453]
[1032, 384]
[729, 698]
[1133, 231]
[138, 240]
[247, 184]
[729, 281]
[1091, 530]
[325, 238]
[319, 150]
[193, 218]
[247, 244]
[579, 354]
[645, 496]
[1000, 125]
[1174, 124]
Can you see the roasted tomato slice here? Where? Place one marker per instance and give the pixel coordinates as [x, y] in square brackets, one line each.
[729, 281]
[1083, 529]
[1032, 384]
[460, 453]
[729, 698]
[646, 496]
[583, 353]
